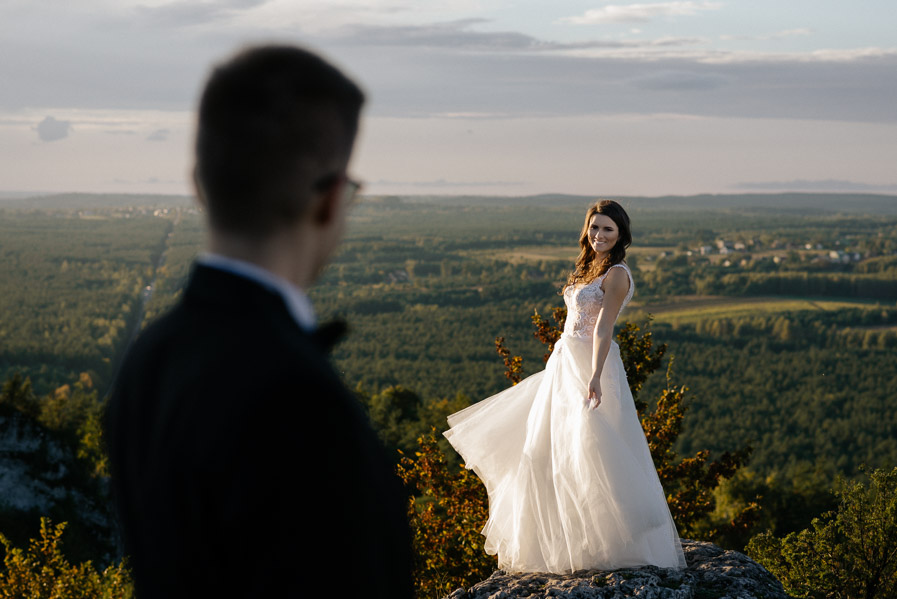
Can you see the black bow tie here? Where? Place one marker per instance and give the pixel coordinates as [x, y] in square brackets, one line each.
[329, 334]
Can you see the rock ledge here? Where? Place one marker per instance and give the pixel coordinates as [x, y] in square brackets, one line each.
[712, 573]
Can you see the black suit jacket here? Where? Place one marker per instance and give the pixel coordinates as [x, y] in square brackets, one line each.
[241, 466]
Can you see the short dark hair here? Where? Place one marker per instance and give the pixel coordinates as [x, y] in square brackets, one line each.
[276, 124]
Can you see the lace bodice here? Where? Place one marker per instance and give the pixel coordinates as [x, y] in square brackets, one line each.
[584, 303]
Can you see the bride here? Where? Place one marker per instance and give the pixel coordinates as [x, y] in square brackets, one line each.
[564, 459]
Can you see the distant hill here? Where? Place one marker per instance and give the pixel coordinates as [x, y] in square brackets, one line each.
[95, 201]
[843, 203]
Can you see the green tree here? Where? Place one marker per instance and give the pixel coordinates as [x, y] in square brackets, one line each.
[848, 553]
[73, 410]
[18, 393]
[401, 417]
[90, 444]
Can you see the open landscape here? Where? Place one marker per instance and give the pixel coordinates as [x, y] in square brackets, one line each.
[779, 313]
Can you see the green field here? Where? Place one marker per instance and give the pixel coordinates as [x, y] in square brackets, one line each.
[692, 310]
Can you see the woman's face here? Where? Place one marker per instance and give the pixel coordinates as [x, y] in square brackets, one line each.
[603, 234]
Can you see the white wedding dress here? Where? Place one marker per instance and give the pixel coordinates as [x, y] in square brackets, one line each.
[569, 488]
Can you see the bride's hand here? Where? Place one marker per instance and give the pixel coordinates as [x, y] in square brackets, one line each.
[594, 398]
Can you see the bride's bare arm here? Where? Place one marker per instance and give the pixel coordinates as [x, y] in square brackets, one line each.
[616, 286]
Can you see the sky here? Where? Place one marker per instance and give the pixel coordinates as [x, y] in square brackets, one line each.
[495, 97]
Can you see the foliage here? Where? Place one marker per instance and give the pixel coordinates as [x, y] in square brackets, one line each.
[513, 364]
[849, 553]
[784, 504]
[401, 417]
[447, 511]
[90, 443]
[18, 393]
[71, 291]
[549, 333]
[691, 481]
[805, 404]
[42, 572]
[59, 446]
[74, 411]
[640, 358]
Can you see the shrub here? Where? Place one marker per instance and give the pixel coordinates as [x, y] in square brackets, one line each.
[447, 512]
[42, 572]
[848, 553]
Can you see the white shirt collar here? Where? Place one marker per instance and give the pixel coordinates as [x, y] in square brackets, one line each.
[297, 302]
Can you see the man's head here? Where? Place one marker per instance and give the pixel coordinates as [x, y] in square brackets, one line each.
[276, 130]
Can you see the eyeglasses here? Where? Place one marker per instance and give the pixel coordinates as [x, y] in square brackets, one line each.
[351, 187]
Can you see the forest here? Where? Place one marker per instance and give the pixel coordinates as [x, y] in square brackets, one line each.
[779, 312]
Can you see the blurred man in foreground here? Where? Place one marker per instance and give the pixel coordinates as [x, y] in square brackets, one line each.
[241, 466]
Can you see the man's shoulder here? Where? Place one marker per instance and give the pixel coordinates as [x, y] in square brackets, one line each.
[227, 367]
[224, 340]
[222, 309]
[226, 337]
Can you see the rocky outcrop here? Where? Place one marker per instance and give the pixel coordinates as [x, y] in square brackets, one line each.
[712, 573]
[40, 476]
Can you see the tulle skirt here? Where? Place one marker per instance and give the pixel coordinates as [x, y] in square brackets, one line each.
[569, 488]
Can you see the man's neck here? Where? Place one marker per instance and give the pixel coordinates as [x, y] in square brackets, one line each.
[290, 254]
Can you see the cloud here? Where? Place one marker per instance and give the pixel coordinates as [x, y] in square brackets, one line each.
[815, 185]
[458, 39]
[190, 12]
[151, 180]
[50, 129]
[637, 13]
[779, 35]
[460, 67]
[791, 33]
[470, 115]
[458, 35]
[444, 183]
[158, 135]
[536, 84]
[679, 80]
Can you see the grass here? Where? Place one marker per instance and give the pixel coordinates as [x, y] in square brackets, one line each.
[696, 308]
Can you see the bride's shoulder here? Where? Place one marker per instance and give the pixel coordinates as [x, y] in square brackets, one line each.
[614, 271]
[619, 278]
[617, 274]
[621, 265]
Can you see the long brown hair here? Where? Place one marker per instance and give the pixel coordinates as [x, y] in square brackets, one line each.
[587, 269]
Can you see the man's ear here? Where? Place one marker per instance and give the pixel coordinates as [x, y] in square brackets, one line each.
[200, 193]
[326, 205]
